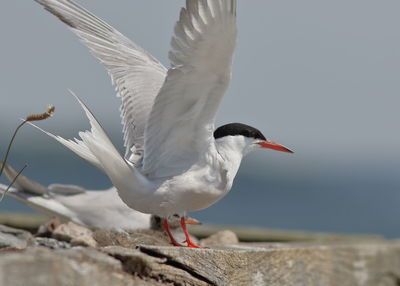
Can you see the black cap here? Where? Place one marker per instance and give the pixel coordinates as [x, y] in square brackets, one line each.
[233, 129]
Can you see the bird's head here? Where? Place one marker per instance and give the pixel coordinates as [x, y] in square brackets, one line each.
[243, 139]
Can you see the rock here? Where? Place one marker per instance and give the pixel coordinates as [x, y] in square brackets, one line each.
[366, 263]
[83, 267]
[158, 268]
[51, 243]
[222, 237]
[310, 264]
[130, 239]
[75, 234]
[258, 234]
[14, 238]
[134, 238]
[133, 261]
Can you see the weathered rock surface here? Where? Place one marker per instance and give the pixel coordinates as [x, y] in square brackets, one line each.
[364, 264]
[258, 264]
[130, 239]
[135, 238]
[220, 238]
[51, 243]
[257, 234]
[145, 258]
[75, 234]
[14, 238]
[79, 266]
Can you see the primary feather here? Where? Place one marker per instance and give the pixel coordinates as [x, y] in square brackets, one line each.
[138, 76]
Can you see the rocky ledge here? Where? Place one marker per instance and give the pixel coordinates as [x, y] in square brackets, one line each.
[73, 255]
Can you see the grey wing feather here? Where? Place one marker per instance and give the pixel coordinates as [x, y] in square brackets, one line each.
[23, 183]
[138, 76]
[66, 190]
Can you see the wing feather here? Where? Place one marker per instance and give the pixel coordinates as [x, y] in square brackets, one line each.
[138, 76]
[181, 121]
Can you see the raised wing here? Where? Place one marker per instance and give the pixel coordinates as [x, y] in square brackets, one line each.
[181, 122]
[137, 75]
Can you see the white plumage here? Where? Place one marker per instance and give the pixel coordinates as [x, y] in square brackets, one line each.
[173, 162]
[169, 116]
[92, 208]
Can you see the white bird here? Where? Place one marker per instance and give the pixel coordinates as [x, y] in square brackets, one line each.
[92, 208]
[175, 160]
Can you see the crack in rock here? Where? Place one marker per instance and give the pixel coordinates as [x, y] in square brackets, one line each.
[148, 264]
[393, 276]
[173, 263]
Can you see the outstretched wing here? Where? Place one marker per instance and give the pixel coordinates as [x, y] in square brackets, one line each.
[181, 121]
[137, 75]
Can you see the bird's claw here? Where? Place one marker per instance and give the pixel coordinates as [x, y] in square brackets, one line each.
[190, 244]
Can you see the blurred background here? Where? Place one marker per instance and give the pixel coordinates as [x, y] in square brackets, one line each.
[321, 77]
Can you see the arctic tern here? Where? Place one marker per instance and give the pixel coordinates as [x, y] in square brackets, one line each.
[175, 160]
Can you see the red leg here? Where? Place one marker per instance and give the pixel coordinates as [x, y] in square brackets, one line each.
[189, 242]
[168, 231]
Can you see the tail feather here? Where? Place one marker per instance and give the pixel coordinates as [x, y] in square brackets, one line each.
[94, 137]
[77, 146]
[96, 147]
[100, 145]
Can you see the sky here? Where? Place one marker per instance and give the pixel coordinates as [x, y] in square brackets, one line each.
[315, 75]
[320, 77]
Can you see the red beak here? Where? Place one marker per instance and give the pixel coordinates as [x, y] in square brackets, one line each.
[274, 146]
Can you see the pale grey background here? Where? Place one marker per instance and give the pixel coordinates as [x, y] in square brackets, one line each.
[321, 77]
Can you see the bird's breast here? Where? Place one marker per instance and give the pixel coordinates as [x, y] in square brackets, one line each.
[197, 189]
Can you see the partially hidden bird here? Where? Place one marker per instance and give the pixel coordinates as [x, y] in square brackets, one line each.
[175, 161]
[101, 209]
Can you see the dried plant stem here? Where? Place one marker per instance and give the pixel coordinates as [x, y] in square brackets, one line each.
[9, 147]
[13, 181]
[32, 117]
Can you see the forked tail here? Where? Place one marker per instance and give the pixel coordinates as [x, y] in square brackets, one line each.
[96, 148]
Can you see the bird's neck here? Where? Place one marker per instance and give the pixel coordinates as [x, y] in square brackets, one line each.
[231, 151]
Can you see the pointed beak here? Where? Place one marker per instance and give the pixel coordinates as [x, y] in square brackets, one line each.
[190, 220]
[274, 146]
